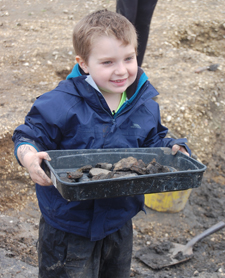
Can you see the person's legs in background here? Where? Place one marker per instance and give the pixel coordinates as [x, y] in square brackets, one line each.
[139, 13]
[128, 8]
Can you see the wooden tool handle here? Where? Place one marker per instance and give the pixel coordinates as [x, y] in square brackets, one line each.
[206, 233]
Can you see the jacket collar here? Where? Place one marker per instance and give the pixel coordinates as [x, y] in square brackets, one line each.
[131, 91]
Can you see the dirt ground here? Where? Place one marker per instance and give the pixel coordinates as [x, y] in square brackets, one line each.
[36, 53]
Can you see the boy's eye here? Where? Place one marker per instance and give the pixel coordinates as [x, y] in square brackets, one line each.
[129, 58]
[106, 62]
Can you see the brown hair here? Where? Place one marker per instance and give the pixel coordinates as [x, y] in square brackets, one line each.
[102, 23]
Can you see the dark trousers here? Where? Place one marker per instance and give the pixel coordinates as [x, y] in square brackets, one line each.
[65, 255]
[139, 13]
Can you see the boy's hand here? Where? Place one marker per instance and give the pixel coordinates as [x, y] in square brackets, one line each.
[31, 160]
[177, 148]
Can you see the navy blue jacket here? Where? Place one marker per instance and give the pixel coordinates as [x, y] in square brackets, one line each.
[75, 115]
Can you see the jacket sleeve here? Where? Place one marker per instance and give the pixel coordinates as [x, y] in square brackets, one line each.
[158, 132]
[41, 127]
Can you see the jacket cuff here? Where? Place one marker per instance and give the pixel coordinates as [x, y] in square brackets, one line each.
[24, 143]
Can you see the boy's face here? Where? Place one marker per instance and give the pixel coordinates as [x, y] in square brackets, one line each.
[112, 65]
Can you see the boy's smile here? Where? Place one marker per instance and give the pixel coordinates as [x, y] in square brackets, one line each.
[112, 65]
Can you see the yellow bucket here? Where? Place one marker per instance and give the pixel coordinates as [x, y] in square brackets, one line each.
[168, 201]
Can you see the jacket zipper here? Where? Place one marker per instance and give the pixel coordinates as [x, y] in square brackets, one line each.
[132, 105]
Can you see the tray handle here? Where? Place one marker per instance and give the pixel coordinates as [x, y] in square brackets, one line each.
[46, 168]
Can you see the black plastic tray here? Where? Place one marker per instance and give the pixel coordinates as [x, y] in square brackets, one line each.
[188, 175]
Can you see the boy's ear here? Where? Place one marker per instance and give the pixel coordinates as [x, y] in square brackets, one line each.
[81, 63]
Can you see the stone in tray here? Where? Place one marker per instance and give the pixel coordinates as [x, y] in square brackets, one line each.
[139, 167]
[77, 175]
[154, 167]
[126, 167]
[98, 171]
[103, 176]
[125, 164]
[106, 166]
[124, 174]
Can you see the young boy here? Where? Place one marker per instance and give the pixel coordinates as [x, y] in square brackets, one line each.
[105, 103]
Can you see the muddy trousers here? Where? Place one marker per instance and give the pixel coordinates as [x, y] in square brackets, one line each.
[65, 255]
[139, 13]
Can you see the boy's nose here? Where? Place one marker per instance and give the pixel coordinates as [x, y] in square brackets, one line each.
[120, 69]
